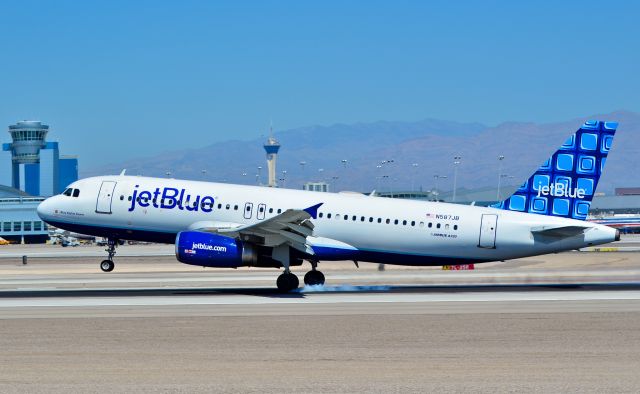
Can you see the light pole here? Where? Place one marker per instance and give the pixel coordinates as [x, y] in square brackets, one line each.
[258, 180]
[302, 164]
[500, 158]
[284, 179]
[413, 174]
[168, 173]
[379, 168]
[437, 177]
[456, 163]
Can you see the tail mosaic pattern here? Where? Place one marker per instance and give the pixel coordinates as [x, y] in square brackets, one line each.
[564, 185]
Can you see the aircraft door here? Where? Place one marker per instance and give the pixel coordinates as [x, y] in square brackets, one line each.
[103, 205]
[248, 210]
[261, 211]
[488, 231]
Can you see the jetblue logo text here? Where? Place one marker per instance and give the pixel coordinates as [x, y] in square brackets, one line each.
[560, 190]
[203, 246]
[171, 198]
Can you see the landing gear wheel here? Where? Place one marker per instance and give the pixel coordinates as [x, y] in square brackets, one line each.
[107, 265]
[314, 278]
[287, 282]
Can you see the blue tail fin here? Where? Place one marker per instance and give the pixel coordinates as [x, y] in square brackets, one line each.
[564, 185]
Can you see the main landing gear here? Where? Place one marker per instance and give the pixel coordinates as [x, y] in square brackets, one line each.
[108, 265]
[288, 281]
[314, 277]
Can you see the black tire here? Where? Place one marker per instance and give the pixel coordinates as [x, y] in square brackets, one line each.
[287, 282]
[107, 266]
[295, 282]
[314, 278]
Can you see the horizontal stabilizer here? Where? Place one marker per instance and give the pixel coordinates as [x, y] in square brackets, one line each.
[559, 232]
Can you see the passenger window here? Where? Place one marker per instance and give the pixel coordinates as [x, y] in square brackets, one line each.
[388, 221]
[395, 221]
[130, 198]
[404, 222]
[353, 218]
[379, 220]
[362, 218]
[235, 207]
[337, 216]
[455, 226]
[279, 210]
[76, 193]
[270, 210]
[370, 220]
[446, 226]
[248, 209]
[346, 217]
[430, 225]
[328, 216]
[413, 223]
[421, 224]
[219, 206]
[121, 198]
[261, 209]
[438, 225]
[228, 206]
[320, 215]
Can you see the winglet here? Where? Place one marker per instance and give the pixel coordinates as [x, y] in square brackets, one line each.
[123, 172]
[313, 210]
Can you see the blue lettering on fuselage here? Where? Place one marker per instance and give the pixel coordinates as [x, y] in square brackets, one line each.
[170, 198]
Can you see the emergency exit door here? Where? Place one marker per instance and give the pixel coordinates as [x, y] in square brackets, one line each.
[103, 205]
[488, 231]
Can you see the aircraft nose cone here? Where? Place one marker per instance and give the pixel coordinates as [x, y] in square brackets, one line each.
[44, 209]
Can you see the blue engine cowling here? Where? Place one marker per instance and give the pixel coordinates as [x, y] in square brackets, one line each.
[213, 250]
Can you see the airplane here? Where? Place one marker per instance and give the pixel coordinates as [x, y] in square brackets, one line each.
[228, 226]
[624, 222]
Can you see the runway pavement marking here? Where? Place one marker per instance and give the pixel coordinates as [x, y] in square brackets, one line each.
[321, 298]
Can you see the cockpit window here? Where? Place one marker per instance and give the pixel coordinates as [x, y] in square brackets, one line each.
[76, 192]
[67, 191]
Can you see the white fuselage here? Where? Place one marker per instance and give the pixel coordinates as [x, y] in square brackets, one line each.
[364, 228]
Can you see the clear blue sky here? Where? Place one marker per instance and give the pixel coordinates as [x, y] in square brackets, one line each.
[117, 79]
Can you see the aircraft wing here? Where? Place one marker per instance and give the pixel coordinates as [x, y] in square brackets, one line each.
[292, 227]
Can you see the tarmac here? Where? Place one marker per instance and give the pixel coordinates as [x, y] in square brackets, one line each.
[557, 323]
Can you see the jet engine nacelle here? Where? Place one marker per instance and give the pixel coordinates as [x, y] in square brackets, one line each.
[213, 250]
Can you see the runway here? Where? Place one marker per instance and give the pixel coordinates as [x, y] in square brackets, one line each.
[558, 323]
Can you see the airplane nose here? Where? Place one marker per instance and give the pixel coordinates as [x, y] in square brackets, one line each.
[44, 209]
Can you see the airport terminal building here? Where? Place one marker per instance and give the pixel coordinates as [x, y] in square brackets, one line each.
[31, 169]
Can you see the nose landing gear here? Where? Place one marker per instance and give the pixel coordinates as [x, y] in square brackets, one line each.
[108, 265]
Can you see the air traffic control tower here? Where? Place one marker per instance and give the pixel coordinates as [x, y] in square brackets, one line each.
[272, 147]
[32, 164]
